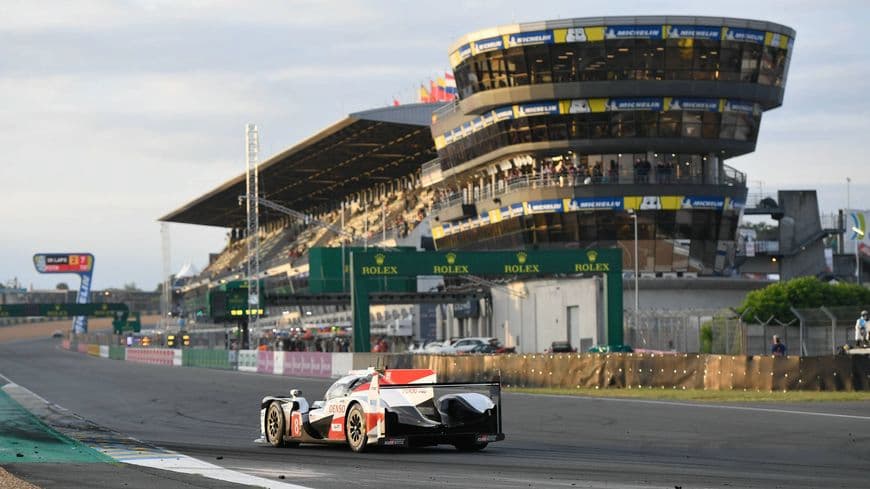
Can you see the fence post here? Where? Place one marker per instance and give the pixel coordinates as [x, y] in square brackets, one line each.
[833, 328]
[801, 321]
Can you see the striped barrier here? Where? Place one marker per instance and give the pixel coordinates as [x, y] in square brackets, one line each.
[247, 360]
[154, 356]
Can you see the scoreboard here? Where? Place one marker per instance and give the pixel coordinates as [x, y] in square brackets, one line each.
[63, 262]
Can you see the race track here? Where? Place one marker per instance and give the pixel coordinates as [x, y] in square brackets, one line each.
[551, 441]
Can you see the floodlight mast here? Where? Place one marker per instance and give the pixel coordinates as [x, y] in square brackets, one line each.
[252, 145]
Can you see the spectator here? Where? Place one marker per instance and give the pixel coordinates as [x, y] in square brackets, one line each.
[861, 330]
[778, 348]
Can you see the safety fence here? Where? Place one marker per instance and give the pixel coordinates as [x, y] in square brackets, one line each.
[566, 371]
[813, 331]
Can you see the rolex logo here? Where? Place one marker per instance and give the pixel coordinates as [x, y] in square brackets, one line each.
[451, 258]
[379, 258]
[521, 257]
[592, 255]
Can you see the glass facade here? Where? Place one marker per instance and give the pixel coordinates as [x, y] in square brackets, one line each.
[708, 125]
[623, 59]
[668, 241]
[693, 92]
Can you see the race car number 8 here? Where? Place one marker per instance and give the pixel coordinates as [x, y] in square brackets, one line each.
[296, 425]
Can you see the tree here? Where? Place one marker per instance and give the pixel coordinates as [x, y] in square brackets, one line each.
[62, 286]
[131, 287]
[804, 292]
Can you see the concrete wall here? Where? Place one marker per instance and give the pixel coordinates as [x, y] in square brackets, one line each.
[688, 293]
[532, 323]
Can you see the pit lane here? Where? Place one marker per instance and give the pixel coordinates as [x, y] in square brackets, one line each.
[551, 441]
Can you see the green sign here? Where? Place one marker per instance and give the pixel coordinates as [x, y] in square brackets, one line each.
[370, 266]
[117, 311]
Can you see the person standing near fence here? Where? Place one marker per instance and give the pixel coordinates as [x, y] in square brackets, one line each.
[861, 330]
[777, 348]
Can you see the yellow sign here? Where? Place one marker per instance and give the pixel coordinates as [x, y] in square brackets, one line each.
[380, 268]
[451, 268]
[522, 266]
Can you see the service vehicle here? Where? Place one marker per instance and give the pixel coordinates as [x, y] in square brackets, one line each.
[387, 407]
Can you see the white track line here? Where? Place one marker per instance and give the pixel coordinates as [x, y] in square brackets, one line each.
[131, 452]
[696, 405]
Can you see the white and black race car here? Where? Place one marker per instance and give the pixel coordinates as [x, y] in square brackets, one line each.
[395, 407]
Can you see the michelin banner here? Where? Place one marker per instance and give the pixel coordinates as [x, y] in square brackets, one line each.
[856, 232]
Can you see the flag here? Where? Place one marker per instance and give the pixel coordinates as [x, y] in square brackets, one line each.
[395, 102]
[424, 95]
[450, 85]
[441, 91]
[433, 91]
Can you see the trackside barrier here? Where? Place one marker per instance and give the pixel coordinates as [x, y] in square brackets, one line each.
[247, 360]
[266, 362]
[218, 359]
[154, 356]
[657, 371]
[104, 351]
[65, 344]
[117, 353]
[93, 350]
[342, 363]
[567, 371]
[307, 364]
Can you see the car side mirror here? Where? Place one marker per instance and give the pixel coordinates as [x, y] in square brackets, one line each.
[295, 392]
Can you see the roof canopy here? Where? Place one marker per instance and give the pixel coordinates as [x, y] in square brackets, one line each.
[354, 154]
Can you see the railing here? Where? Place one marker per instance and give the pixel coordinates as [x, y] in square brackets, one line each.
[448, 108]
[730, 177]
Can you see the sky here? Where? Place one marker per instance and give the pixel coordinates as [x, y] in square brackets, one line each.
[114, 113]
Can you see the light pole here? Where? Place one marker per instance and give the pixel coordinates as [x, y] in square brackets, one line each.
[860, 235]
[633, 214]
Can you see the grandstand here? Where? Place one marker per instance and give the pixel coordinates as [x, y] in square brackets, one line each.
[361, 174]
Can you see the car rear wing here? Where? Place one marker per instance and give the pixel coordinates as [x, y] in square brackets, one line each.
[415, 393]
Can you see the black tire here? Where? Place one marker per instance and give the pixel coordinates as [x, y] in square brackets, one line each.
[470, 445]
[355, 429]
[274, 425]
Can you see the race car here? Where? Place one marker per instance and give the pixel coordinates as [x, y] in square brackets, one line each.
[379, 407]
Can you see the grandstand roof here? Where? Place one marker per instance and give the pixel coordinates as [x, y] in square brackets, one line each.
[355, 153]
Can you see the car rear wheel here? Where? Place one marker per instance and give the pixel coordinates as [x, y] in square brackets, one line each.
[469, 445]
[275, 425]
[355, 430]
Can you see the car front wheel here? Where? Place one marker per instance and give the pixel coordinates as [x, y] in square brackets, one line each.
[355, 429]
[275, 425]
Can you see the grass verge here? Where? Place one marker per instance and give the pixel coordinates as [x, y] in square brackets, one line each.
[703, 395]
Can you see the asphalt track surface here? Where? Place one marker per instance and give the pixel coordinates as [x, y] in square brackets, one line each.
[552, 441]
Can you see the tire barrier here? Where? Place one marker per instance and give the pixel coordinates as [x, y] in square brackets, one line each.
[565, 371]
[153, 356]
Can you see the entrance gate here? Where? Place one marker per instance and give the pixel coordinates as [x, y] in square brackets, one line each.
[369, 267]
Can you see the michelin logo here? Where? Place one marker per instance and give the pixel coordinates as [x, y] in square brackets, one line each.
[576, 34]
[650, 202]
[579, 106]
